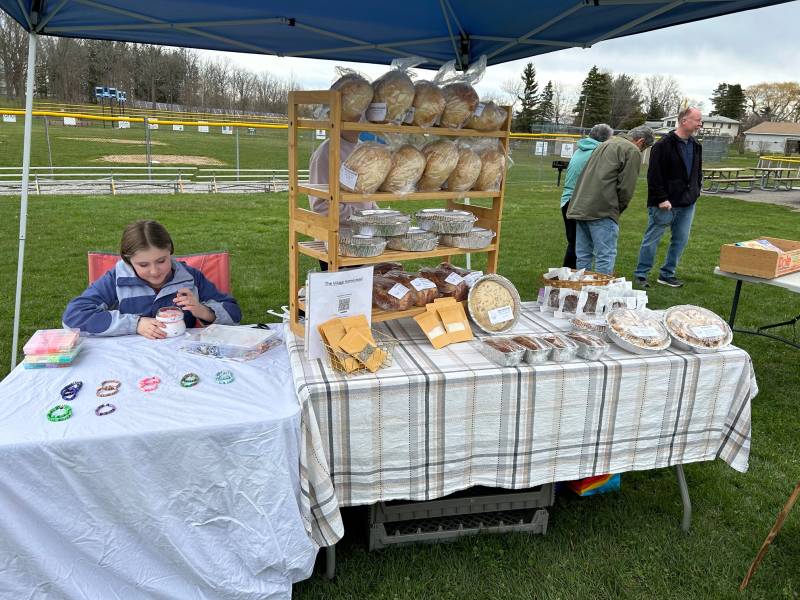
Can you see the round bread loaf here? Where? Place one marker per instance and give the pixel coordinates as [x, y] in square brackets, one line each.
[466, 172]
[396, 89]
[370, 162]
[408, 164]
[493, 166]
[461, 100]
[356, 95]
[491, 118]
[428, 104]
[441, 158]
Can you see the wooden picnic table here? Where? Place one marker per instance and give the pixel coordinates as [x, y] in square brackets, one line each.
[779, 176]
[719, 179]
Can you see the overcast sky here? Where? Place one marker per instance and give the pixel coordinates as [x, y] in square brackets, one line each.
[745, 48]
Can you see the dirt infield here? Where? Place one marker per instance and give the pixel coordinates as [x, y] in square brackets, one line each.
[164, 159]
[111, 141]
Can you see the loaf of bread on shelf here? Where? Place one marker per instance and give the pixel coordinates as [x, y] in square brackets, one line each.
[441, 158]
[385, 267]
[396, 89]
[489, 118]
[356, 95]
[390, 295]
[408, 164]
[448, 282]
[493, 167]
[466, 172]
[366, 168]
[428, 104]
[422, 294]
[461, 100]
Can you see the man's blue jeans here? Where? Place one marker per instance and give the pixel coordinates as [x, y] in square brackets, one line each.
[679, 220]
[597, 239]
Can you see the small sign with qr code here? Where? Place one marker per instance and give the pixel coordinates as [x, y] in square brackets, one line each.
[344, 304]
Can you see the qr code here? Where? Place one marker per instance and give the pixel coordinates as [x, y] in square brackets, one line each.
[344, 304]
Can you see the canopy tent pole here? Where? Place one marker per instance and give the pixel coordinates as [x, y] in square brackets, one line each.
[33, 40]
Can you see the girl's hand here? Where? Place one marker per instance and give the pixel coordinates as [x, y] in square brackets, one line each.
[151, 328]
[187, 300]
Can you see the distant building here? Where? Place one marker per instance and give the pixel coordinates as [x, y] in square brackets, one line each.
[771, 137]
[714, 126]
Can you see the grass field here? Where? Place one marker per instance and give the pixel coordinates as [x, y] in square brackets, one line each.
[626, 545]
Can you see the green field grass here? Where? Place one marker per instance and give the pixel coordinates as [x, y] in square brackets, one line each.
[627, 544]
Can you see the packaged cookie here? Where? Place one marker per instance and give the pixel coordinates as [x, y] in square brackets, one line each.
[567, 303]
[552, 299]
[592, 301]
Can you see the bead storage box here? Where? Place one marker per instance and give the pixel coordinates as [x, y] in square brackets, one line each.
[231, 341]
[49, 348]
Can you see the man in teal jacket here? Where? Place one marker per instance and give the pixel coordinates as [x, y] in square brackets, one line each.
[597, 135]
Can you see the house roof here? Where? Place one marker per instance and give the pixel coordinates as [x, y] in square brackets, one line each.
[775, 128]
[706, 119]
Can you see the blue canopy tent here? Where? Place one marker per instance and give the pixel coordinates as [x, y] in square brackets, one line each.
[357, 30]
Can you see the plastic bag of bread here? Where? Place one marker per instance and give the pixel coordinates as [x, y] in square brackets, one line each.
[466, 172]
[388, 294]
[493, 168]
[428, 105]
[393, 92]
[441, 158]
[460, 96]
[424, 290]
[448, 282]
[356, 94]
[365, 169]
[408, 164]
[385, 267]
[488, 116]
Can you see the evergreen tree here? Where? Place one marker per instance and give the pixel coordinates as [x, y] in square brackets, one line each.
[546, 110]
[594, 103]
[655, 111]
[719, 98]
[529, 100]
[736, 103]
[626, 103]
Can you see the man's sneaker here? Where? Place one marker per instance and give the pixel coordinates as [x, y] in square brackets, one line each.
[641, 282]
[670, 281]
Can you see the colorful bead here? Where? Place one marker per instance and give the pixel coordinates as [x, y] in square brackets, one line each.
[224, 377]
[149, 384]
[70, 391]
[189, 380]
[60, 412]
[104, 409]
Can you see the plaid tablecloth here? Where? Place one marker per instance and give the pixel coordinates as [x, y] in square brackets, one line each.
[438, 421]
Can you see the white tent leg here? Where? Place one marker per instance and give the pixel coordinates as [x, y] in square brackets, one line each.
[23, 205]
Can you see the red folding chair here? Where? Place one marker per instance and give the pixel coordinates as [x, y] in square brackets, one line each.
[216, 266]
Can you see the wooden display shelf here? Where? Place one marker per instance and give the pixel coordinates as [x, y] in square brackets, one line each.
[317, 250]
[322, 189]
[379, 316]
[389, 128]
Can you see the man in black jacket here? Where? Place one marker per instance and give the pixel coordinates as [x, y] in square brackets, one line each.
[674, 180]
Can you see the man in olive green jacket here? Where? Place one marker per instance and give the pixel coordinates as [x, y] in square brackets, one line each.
[604, 190]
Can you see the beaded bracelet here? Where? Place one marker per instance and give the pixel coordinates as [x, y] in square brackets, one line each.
[109, 387]
[60, 412]
[104, 409]
[69, 391]
[224, 377]
[189, 380]
[149, 384]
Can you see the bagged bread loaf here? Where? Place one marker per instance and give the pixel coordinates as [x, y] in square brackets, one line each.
[448, 282]
[408, 164]
[493, 168]
[428, 104]
[356, 95]
[395, 91]
[466, 172]
[388, 294]
[365, 169]
[385, 267]
[487, 117]
[424, 290]
[461, 100]
[441, 158]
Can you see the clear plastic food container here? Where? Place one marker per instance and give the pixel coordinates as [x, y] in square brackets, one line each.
[360, 246]
[697, 329]
[590, 347]
[563, 348]
[51, 341]
[379, 222]
[231, 341]
[441, 220]
[477, 238]
[637, 331]
[414, 240]
[502, 351]
[536, 351]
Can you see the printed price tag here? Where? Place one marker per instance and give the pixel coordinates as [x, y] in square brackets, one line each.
[644, 332]
[705, 332]
[376, 111]
[479, 109]
[420, 283]
[454, 279]
[347, 177]
[409, 116]
[501, 315]
[471, 278]
[399, 291]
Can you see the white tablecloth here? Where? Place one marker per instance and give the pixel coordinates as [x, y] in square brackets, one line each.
[181, 493]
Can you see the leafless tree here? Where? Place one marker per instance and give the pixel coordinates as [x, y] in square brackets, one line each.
[662, 91]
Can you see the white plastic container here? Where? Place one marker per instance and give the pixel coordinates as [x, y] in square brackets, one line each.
[172, 317]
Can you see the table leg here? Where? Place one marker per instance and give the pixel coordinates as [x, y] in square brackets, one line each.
[330, 561]
[736, 292]
[687, 503]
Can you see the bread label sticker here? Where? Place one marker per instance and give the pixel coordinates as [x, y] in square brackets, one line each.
[436, 332]
[454, 279]
[420, 283]
[705, 332]
[399, 291]
[471, 278]
[347, 177]
[644, 331]
[479, 109]
[501, 315]
[455, 327]
[409, 116]
[376, 111]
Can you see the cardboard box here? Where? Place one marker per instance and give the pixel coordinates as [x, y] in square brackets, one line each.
[761, 263]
